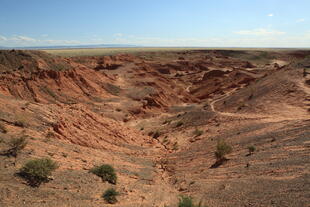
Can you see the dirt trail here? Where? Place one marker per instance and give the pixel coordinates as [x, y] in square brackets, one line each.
[247, 116]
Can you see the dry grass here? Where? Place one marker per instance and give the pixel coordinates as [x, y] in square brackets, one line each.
[112, 51]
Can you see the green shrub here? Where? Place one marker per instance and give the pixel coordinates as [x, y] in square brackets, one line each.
[197, 132]
[112, 89]
[50, 134]
[251, 149]
[106, 172]
[16, 145]
[156, 134]
[20, 123]
[21, 120]
[175, 146]
[179, 123]
[110, 195]
[3, 129]
[222, 149]
[38, 171]
[186, 201]
[165, 140]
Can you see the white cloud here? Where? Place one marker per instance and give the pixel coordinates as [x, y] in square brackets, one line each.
[119, 35]
[270, 15]
[265, 38]
[302, 40]
[300, 20]
[2, 38]
[260, 32]
[23, 39]
[20, 40]
[59, 42]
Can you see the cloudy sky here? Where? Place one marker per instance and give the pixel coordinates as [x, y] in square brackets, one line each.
[205, 23]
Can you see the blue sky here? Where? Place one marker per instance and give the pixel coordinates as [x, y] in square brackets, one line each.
[210, 23]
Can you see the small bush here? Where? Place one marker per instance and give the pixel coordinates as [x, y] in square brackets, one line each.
[166, 122]
[21, 120]
[197, 132]
[186, 201]
[175, 146]
[110, 195]
[38, 171]
[49, 92]
[156, 134]
[251, 96]
[222, 149]
[165, 140]
[3, 129]
[20, 123]
[106, 172]
[50, 134]
[251, 149]
[112, 89]
[17, 144]
[179, 123]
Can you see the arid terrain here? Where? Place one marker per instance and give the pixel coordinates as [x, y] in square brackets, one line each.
[156, 117]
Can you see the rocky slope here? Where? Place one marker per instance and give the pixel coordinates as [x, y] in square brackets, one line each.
[156, 118]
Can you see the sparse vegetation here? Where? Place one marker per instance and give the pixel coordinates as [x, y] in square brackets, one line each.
[16, 145]
[112, 89]
[197, 132]
[106, 172]
[186, 201]
[3, 129]
[178, 159]
[241, 106]
[165, 140]
[175, 146]
[222, 149]
[50, 134]
[166, 122]
[20, 123]
[179, 123]
[38, 171]
[110, 195]
[251, 149]
[49, 91]
[251, 96]
[156, 134]
[110, 51]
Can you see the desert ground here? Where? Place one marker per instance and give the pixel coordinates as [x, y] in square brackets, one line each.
[156, 116]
